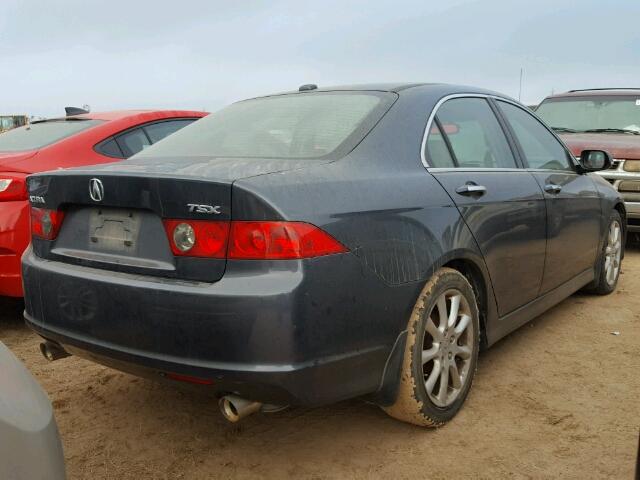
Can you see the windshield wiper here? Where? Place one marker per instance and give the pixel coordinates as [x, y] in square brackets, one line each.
[611, 130]
[564, 130]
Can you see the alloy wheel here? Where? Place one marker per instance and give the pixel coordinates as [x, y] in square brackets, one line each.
[447, 348]
[613, 252]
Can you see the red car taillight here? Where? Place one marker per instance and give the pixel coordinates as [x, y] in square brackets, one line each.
[250, 240]
[12, 187]
[46, 223]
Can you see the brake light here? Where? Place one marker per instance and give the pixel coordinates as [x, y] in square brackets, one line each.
[12, 187]
[280, 240]
[46, 223]
[249, 240]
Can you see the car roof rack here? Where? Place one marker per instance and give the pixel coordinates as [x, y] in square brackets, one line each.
[603, 88]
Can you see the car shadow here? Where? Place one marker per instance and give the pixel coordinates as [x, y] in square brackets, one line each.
[10, 312]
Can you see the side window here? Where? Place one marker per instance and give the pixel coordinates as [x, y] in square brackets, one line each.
[109, 148]
[133, 142]
[540, 148]
[157, 131]
[437, 152]
[476, 137]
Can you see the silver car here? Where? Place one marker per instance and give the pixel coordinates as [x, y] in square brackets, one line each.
[30, 446]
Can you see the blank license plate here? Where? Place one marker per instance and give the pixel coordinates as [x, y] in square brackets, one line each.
[113, 230]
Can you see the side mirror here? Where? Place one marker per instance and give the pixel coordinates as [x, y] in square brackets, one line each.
[594, 160]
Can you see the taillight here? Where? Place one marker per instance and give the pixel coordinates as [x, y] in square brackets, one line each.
[12, 187]
[280, 240]
[249, 240]
[46, 223]
[197, 238]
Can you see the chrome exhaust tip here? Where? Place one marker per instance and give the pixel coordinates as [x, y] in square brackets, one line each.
[52, 351]
[235, 408]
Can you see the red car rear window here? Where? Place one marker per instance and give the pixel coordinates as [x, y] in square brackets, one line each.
[41, 134]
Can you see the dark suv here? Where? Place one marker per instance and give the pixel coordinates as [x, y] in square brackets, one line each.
[607, 119]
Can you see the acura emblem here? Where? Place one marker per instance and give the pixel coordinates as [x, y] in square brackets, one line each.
[96, 190]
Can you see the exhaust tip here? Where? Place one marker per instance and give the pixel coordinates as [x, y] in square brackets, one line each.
[235, 408]
[229, 411]
[52, 351]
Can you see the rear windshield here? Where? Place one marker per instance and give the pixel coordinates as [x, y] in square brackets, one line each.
[313, 125]
[41, 134]
[589, 113]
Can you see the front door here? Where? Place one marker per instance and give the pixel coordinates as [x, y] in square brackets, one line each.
[573, 204]
[501, 203]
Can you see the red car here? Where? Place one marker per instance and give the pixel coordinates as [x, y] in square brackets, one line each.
[71, 141]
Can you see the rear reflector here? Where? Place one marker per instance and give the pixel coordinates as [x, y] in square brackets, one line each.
[249, 240]
[12, 187]
[189, 379]
[46, 223]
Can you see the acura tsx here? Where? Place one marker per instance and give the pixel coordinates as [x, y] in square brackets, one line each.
[314, 246]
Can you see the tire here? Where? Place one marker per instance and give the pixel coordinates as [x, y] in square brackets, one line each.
[414, 404]
[610, 256]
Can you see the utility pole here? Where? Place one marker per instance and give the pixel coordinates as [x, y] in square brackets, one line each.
[520, 89]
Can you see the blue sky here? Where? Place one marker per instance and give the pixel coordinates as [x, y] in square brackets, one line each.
[205, 54]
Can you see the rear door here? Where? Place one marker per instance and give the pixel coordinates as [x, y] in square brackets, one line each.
[469, 154]
[573, 205]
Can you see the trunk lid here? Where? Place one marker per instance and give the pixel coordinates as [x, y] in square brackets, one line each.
[116, 224]
[210, 168]
[113, 213]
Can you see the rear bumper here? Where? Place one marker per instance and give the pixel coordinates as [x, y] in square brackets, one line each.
[310, 383]
[295, 332]
[14, 239]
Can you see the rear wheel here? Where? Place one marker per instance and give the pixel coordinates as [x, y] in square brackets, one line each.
[441, 352]
[610, 259]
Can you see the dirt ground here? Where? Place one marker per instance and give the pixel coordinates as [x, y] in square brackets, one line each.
[559, 398]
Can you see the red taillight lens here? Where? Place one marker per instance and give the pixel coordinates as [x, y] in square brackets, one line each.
[280, 240]
[196, 238]
[46, 223]
[249, 240]
[13, 186]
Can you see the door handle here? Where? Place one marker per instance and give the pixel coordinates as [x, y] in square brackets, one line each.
[552, 188]
[471, 189]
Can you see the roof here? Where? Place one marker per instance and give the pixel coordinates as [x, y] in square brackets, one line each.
[435, 88]
[599, 92]
[122, 114]
[384, 87]
[119, 114]
[364, 87]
